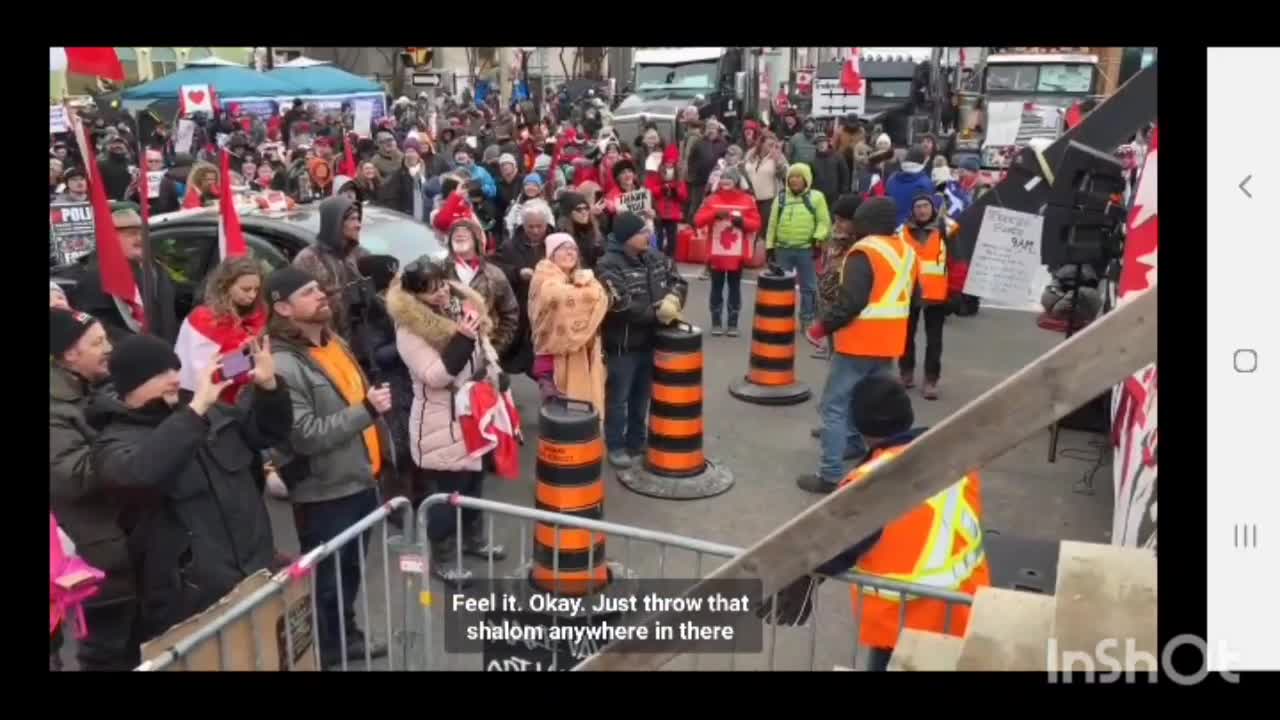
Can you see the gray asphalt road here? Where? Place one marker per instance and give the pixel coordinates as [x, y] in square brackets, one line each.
[766, 447]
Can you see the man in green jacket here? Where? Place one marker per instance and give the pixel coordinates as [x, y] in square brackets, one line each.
[798, 229]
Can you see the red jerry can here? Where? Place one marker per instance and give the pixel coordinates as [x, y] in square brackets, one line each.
[756, 254]
[698, 247]
[684, 238]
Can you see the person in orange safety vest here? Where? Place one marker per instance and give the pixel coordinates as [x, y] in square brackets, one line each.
[938, 545]
[868, 326]
[930, 234]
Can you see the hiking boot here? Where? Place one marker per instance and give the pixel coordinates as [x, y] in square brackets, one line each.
[813, 482]
[444, 564]
[477, 545]
[620, 459]
[908, 379]
[929, 391]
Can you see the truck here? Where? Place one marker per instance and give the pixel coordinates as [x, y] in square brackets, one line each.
[1015, 98]
[896, 97]
[666, 80]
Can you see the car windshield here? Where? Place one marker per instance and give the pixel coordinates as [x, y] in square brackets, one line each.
[892, 89]
[1076, 78]
[385, 232]
[685, 79]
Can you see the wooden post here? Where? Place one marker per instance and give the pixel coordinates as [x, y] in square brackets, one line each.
[1052, 386]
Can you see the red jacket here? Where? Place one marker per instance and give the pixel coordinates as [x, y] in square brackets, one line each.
[668, 208]
[734, 245]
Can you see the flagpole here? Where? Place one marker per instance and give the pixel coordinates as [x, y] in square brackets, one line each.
[147, 267]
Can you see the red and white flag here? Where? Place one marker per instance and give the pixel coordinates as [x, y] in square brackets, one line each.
[1134, 410]
[851, 76]
[230, 237]
[100, 61]
[194, 99]
[116, 276]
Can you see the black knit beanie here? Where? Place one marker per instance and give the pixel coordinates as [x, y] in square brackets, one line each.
[876, 216]
[625, 226]
[846, 206]
[66, 327]
[570, 200]
[137, 359]
[881, 407]
[379, 268]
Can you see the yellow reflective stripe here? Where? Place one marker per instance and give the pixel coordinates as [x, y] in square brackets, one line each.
[933, 268]
[895, 303]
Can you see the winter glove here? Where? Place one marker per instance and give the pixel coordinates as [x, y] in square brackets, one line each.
[792, 605]
[669, 309]
[737, 221]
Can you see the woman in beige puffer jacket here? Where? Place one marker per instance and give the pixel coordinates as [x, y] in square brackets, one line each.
[442, 357]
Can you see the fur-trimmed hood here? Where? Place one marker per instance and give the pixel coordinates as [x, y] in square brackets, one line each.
[413, 315]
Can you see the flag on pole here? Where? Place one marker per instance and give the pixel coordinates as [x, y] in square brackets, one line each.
[117, 278]
[99, 61]
[850, 76]
[230, 237]
[348, 157]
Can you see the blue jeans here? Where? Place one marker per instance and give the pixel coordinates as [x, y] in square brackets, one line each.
[838, 433]
[626, 399]
[318, 523]
[806, 278]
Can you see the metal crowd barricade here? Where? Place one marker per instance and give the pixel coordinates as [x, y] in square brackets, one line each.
[411, 617]
[643, 548]
[304, 570]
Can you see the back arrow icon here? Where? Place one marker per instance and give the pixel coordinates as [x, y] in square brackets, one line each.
[1243, 182]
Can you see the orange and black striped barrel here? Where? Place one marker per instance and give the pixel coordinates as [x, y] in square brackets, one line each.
[569, 561]
[675, 410]
[773, 332]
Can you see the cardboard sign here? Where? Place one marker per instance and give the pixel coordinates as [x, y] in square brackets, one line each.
[70, 231]
[185, 135]
[58, 122]
[194, 99]
[1006, 267]
[154, 178]
[363, 118]
[255, 640]
[636, 201]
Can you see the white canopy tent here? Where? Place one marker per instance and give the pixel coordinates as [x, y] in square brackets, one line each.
[303, 62]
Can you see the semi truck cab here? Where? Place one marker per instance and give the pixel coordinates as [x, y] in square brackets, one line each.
[666, 80]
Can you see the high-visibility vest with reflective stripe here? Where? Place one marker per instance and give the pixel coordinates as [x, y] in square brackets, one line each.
[932, 256]
[880, 330]
[937, 545]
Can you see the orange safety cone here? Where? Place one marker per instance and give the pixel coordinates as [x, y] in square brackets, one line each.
[771, 373]
[675, 467]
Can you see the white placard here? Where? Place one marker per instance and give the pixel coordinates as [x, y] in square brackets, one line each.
[154, 178]
[1006, 267]
[184, 136]
[363, 117]
[58, 122]
[223, 139]
[1003, 121]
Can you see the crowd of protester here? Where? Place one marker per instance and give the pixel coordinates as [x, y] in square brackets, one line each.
[560, 242]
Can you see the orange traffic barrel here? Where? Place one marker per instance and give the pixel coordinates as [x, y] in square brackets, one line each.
[569, 561]
[771, 367]
[675, 465]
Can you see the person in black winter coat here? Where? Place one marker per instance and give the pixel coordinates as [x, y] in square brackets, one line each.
[117, 317]
[199, 526]
[517, 257]
[579, 219]
[702, 161]
[173, 186]
[830, 173]
[114, 163]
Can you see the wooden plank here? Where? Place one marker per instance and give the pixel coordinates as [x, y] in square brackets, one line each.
[1052, 386]
[1105, 593]
[921, 651]
[1008, 630]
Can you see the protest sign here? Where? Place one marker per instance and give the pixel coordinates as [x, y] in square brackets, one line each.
[363, 117]
[1006, 267]
[636, 201]
[185, 135]
[154, 178]
[58, 122]
[70, 231]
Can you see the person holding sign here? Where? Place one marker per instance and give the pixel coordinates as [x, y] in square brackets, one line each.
[929, 234]
[731, 216]
[868, 323]
[627, 195]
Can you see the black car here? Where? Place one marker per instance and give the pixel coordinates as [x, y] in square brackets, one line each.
[186, 243]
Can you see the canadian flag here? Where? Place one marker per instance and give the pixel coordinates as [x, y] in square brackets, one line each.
[117, 278]
[1135, 432]
[99, 61]
[194, 99]
[230, 237]
[850, 77]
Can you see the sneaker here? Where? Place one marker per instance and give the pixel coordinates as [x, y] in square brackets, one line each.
[637, 453]
[620, 459]
[716, 330]
[732, 331]
[357, 643]
[477, 546]
[706, 274]
[908, 379]
[929, 391]
[812, 482]
[444, 565]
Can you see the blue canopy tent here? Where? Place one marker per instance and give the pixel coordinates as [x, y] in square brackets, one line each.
[329, 86]
[228, 81]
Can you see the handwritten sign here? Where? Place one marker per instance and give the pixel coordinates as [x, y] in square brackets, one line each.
[185, 135]
[70, 231]
[58, 122]
[363, 118]
[636, 201]
[154, 178]
[1006, 267]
